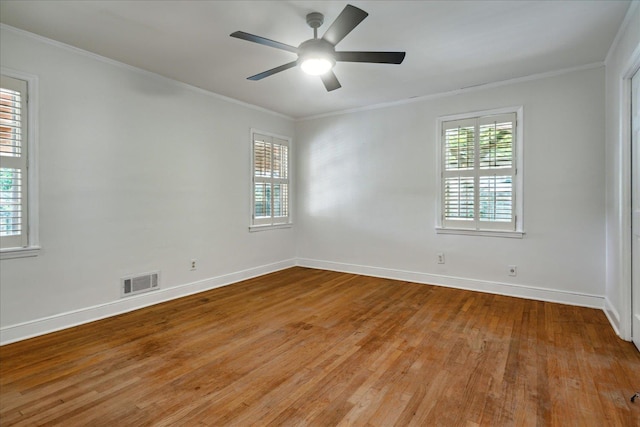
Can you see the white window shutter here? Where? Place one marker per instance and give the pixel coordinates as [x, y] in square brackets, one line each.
[13, 163]
[478, 173]
[271, 187]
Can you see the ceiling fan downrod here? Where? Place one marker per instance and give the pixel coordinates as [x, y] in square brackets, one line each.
[315, 20]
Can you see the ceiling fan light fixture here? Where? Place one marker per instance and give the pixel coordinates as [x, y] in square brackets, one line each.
[316, 57]
[316, 65]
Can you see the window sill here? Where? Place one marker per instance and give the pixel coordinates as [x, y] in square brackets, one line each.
[254, 228]
[485, 233]
[11, 253]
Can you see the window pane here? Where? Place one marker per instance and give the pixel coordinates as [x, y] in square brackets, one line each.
[280, 161]
[10, 123]
[496, 145]
[10, 202]
[458, 148]
[280, 200]
[458, 198]
[496, 198]
[262, 200]
[262, 158]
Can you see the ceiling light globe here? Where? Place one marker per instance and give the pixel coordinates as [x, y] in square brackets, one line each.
[316, 66]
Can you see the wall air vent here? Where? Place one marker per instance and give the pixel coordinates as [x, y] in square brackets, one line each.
[133, 285]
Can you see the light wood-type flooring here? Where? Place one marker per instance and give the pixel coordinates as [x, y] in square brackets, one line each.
[311, 347]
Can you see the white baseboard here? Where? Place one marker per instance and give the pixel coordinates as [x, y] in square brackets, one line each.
[614, 318]
[22, 331]
[520, 291]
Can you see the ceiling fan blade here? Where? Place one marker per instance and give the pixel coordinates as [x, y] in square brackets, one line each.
[348, 19]
[272, 71]
[330, 81]
[261, 40]
[375, 57]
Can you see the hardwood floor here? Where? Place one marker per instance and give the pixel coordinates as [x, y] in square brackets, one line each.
[312, 347]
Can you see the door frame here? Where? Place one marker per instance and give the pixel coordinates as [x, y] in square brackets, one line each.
[626, 319]
[635, 208]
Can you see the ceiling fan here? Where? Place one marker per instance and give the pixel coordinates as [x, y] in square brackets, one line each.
[318, 56]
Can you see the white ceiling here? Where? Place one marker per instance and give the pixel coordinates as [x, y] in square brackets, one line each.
[450, 44]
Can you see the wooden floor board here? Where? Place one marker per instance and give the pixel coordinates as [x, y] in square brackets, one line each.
[319, 348]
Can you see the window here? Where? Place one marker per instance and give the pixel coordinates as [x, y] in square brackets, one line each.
[480, 185]
[17, 223]
[271, 188]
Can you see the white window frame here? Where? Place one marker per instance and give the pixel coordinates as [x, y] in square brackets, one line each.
[517, 230]
[260, 224]
[32, 245]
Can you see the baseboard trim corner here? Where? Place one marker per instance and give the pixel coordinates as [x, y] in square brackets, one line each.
[614, 319]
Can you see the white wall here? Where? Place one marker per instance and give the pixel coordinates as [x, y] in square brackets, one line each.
[367, 193]
[622, 58]
[137, 173]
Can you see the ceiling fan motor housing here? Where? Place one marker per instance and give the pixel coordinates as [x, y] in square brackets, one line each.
[316, 48]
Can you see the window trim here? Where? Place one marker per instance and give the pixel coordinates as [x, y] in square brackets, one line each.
[263, 227]
[33, 241]
[518, 232]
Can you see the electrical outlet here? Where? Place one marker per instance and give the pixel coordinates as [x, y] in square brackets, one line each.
[513, 270]
[440, 257]
[194, 264]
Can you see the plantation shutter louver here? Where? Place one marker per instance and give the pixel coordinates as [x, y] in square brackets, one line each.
[13, 163]
[478, 173]
[270, 180]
